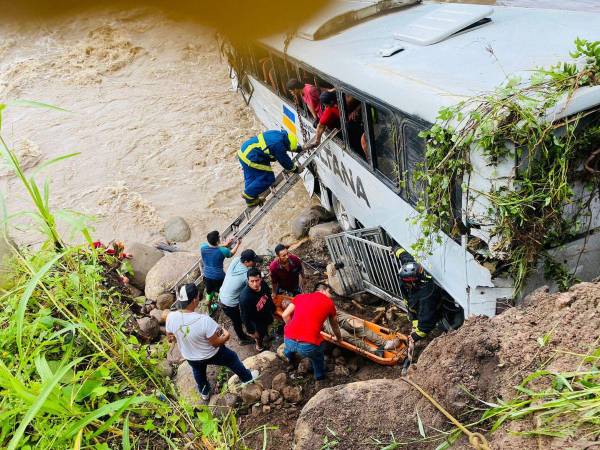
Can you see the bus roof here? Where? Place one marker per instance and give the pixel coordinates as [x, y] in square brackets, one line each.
[421, 79]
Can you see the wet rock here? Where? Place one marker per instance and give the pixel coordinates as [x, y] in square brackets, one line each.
[174, 356]
[265, 397]
[149, 328]
[251, 393]
[292, 394]
[177, 230]
[305, 366]
[321, 230]
[165, 301]
[157, 314]
[168, 270]
[279, 382]
[143, 258]
[165, 369]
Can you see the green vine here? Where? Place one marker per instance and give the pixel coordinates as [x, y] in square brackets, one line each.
[525, 212]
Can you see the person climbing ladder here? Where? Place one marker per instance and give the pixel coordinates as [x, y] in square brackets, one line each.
[213, 254]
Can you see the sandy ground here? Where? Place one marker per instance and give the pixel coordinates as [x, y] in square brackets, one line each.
[150, 109]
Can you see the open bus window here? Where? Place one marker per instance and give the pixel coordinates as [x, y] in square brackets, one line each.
[263, 68]
[384, 143]
[283, 71]
[414, 151]
[355, 128]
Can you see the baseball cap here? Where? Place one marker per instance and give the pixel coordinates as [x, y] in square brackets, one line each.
[186, 295]
[249, 255]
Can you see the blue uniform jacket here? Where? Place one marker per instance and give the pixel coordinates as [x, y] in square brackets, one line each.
[277, 146]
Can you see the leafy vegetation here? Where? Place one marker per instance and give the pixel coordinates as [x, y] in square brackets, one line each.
[72, 372]
[526, 215]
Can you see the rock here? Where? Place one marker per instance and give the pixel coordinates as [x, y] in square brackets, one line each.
[133, 291]
[266, 409]
[174, 356]
[565, 299]
[186, 385]
[273, 395]
[163, 330]
[165, 369]
[177, 230]
[305, 366]
[324, 229]
[221, 404]
[280, 352]
[353, 364]
[157, 314]
[292, 394]
[370, 408]
[265, 397]
[168, 270]
[143, 258]
[336, 352]
[333, 279]
[279, 401]
[149, 328]
[251, 393]
[260, 362]
[165, 301]
[341, 371]
[279, 382]
[309, 218]
[256, 409]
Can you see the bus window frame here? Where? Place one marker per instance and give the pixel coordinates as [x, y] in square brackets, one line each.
[340, 91]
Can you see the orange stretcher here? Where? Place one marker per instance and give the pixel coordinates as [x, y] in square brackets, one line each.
[389, 358]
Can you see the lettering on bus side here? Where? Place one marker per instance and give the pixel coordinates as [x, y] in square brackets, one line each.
[344, 174]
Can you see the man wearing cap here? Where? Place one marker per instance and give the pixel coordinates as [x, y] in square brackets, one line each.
[202, 340]
[256, 156]
[286, 271]
[234, 282]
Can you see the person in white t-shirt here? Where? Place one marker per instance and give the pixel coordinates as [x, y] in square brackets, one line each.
[202, 340]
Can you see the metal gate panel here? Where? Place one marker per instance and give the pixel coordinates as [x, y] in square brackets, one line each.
[368, 263]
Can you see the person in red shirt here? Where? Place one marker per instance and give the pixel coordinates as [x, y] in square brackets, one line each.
[330, 117]
[309, 94]
[304, 318]
[286, 272]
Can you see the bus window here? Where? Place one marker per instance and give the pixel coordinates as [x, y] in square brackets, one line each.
[263, 68]
[384, 143]
[282, 75]
[355, 128]
[414, 151]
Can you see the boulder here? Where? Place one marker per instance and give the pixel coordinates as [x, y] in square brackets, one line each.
[222, 404]
[168, 270]
[177, 230]
[260, 362]
[165, 369]
[186, 385]
[157, 314]
[321, 230]
[279, 382]
[251, 393]
[149, 328]
[174, 355]
[143, 258]
[165, 301]
[309, 218]
[292, 394]
[370, 408]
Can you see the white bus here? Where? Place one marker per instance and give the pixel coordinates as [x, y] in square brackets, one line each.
[403, 61]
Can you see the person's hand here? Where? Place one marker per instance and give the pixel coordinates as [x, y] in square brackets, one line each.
[228, 242]
[171, 338]
[354, 115]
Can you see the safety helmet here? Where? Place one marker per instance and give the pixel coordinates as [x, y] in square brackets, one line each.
[411, 272]
[293, 141]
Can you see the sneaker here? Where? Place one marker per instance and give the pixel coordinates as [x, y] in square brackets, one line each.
[392, 344]
[205, 397]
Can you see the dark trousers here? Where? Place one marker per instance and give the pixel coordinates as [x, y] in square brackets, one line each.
[233, 312]
[224, 357]
[211, 285]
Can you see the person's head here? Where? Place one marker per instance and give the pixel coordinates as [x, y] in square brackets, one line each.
[282, 253]
[249, 258]
[328, 98]
[188, 297]
[411, 273]
[294, 87]
[324, 288]
[254, 279]
[213, 238]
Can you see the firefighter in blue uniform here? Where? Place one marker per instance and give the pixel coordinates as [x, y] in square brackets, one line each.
[256, 156]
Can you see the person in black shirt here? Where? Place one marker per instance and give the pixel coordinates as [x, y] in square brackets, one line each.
[256, 307]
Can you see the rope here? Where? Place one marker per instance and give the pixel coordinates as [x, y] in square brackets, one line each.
[477, 440]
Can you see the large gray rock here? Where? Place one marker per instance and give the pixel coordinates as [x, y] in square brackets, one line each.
[177, 230]
[368, 408]
[309, 218]
[251, 393]
[222, 404]
[149, 328]
[260, 362]
[168, 270]
[321, 230]
[143, 259]
[165, 301]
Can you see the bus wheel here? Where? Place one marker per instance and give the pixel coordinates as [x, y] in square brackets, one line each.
[346, 221]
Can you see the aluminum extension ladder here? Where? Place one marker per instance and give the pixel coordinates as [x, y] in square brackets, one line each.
[248, 219]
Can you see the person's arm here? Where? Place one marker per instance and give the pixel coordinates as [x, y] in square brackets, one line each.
[301, 278]
[320, 131]
[219, 337]
[287, 314]
[279, 151]
[236, 247]
[335, 327]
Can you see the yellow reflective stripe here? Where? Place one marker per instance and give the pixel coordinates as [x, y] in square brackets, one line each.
[243, 155]
[415, 324]
[249, 197]
[399, 252]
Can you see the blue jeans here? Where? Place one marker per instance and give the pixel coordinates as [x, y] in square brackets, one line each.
[311, 351]
[224, 357]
